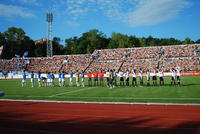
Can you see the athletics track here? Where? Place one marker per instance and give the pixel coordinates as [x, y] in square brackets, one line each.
[32, 117]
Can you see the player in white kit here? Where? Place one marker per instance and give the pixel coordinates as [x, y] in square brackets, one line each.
[148, 78]
[134, 81]
[160, 74]
[178, 70]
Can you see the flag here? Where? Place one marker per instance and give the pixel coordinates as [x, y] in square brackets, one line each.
[197, 50]
[25, 54]
[1, 50]
[19, 65]
[16, 55]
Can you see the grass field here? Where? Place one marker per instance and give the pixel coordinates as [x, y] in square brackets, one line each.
[189, 92]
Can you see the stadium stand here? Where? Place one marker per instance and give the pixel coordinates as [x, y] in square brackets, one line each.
[164, 57]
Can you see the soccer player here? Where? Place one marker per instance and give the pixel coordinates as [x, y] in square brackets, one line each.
[71, 79]
[39, 78]
[121, 75]
[59, 79]
[44, 80]
[101, 75]
[95, 74]
[111, 78]
[160, 74]
[127, 77]
[114, 78]
[108, 80]
[48, 79]
[63, 79]
[82, 78]
[148, 78]
[134, 81]
[52, 79]
[89, 75]
[77, 79]
[173, 76]
[24, 79]
[154, 77]
[178, 75]
[32, 79]
[141, 77]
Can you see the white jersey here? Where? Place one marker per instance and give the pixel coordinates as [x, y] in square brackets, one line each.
[44, 75]
[141, 73]
[173, 73]
[107, 74]
[134, 74]
[127, 74]
[121, 74]
[178, 72]
[114, 74]
[160, 74]
[148, 75]
[154, 73]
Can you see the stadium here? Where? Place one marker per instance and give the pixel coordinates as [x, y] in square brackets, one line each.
[156, 98]
[64, 76]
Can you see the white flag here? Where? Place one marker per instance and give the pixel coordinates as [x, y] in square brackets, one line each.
[1, 50]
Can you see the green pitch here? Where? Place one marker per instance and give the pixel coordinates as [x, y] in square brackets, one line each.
[189, 92]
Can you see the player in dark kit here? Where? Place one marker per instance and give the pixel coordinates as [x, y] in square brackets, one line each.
[173, 76]
[127, 77]
[160, 74]
[154, 77]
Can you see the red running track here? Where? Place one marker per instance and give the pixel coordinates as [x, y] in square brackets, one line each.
[75, 118]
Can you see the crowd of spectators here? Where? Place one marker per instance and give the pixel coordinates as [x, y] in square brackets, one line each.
[164, 57]
[104, 65]
[149, 52]
[76, 63]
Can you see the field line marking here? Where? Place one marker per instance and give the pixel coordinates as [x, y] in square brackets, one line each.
[82, 89]
[110, 98]
[116, 103]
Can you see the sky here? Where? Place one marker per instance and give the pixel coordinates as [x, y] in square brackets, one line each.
[159, 18]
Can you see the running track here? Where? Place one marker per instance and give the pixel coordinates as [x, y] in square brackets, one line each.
[79, 118]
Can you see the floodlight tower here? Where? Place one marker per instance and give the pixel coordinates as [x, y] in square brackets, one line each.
[49, 19]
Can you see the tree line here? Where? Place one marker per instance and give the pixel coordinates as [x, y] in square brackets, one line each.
[15, 41]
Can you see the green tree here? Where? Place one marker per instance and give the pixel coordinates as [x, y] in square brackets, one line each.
[143, 42]
[70, 44]
[188, 41]
[198, 41]
[133, 41]
[118, 40]
[16, 42]
[58, 49]
[40, 50]
[2, 41]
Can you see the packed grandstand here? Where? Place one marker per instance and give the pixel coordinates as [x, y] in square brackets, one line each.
[163, 57]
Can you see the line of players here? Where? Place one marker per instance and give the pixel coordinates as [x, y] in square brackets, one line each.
[48, 80]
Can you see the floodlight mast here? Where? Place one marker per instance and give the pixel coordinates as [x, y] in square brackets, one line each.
[49, 19]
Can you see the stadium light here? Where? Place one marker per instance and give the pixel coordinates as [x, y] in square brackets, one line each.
[49, 19]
